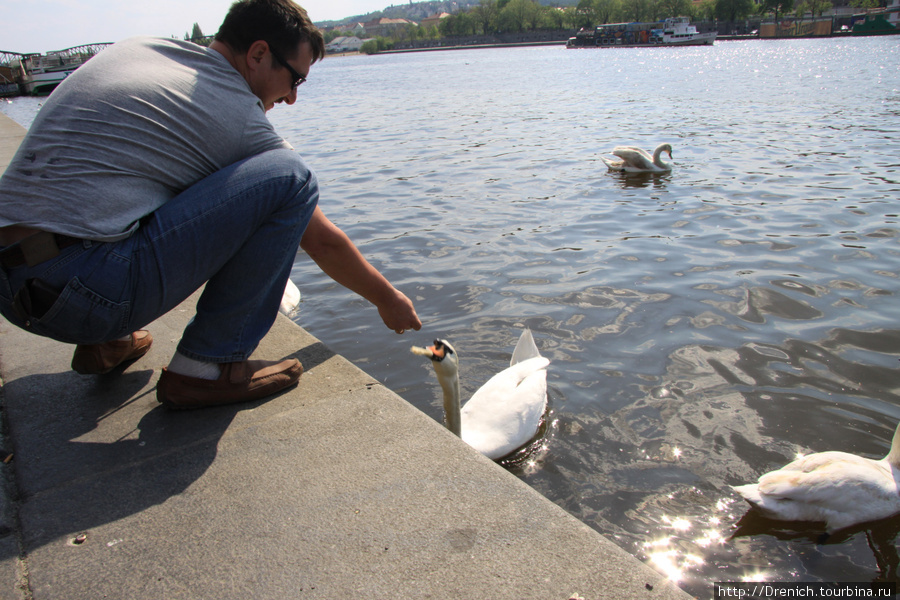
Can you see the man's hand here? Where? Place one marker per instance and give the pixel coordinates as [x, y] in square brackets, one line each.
[400, 314]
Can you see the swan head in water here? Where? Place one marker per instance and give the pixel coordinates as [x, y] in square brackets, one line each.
[445, 361]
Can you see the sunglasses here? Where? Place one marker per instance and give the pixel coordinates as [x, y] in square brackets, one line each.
[296, 78]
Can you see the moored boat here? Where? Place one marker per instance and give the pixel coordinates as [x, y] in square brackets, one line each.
[675, 31]
[876, 24]
[42, 73]
[39, 74]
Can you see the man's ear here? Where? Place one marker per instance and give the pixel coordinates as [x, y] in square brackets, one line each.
[256, 53]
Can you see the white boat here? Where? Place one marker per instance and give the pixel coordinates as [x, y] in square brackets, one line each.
[39, 74]
[678, 31]
[42, 73]
[675, 31]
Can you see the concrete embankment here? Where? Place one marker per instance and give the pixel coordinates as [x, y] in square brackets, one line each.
[336, 489]
[474, 47]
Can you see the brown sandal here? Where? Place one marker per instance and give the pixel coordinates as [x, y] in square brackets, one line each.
[238, 382]
[97, 359]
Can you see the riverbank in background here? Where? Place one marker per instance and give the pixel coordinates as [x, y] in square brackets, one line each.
[475, 44]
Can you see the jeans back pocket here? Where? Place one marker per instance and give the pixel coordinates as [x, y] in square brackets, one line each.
[81, 316]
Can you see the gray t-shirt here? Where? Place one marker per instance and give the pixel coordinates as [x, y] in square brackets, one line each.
[137, 124]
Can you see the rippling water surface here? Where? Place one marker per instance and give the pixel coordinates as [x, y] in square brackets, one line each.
[704, 326]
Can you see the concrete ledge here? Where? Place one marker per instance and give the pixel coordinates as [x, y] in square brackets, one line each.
[335, 489]
[11, 135]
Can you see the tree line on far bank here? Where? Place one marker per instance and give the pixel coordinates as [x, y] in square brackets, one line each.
[493, 17]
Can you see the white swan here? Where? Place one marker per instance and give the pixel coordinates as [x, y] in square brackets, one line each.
[290, 301]
[505, 413]
[635, 160]
[838, 488]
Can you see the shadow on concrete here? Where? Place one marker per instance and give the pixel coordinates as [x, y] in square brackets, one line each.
[90, 450]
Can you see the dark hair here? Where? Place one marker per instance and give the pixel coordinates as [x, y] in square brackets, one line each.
[280, 23]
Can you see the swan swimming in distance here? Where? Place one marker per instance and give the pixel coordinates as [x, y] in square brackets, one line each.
[635, 160]
[506, 412]
[838, 488]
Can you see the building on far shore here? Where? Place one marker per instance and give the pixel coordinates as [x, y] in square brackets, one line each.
[385, 27]
[434, 20]
[344, 44]
[357, 29]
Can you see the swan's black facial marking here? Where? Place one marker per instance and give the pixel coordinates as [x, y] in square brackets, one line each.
[440, 350]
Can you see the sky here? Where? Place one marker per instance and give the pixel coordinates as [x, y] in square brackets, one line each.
[45, 25]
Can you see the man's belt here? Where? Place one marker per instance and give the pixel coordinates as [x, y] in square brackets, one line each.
[35, 249]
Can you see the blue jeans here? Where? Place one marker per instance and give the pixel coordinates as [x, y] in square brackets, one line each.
[237, 230]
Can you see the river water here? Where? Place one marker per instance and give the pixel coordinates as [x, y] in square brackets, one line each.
[704, 326]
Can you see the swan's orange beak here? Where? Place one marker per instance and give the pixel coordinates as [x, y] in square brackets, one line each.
[437, 351]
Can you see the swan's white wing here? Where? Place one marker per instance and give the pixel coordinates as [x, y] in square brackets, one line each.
[613, 164]
[525, 348]
[838, 488]
[634, 158]
[504, 414]
[290, 301]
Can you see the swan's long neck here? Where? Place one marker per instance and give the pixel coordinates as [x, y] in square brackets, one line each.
[450, 385]
[656, 157]
[893, 456]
